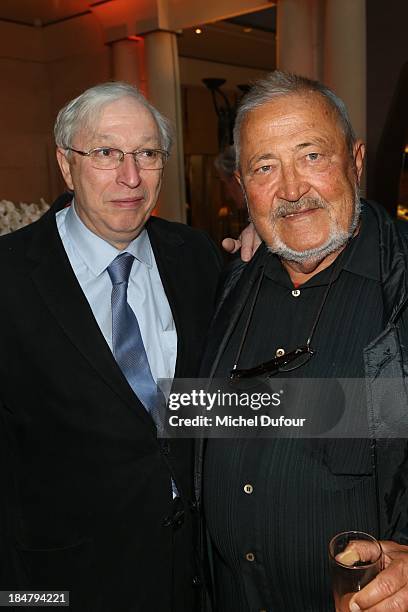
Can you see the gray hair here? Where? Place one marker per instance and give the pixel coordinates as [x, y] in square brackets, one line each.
[279, 84]
[85, 108]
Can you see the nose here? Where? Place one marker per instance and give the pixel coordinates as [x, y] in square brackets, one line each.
[128, 172]
[292, 185]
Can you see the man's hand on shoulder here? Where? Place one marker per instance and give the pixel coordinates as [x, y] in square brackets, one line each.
[248, 241]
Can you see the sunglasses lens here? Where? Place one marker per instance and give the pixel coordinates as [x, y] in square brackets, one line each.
[252, 377]
[300, 358]
[254, 383]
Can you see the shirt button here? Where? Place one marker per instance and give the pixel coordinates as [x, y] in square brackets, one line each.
[279, 352]
[296, 292]
[248, 488]
[250, 557]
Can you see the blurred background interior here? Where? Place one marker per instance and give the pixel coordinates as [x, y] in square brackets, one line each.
[194, 60]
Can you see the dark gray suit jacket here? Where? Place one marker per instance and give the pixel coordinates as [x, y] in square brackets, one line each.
[86, 502]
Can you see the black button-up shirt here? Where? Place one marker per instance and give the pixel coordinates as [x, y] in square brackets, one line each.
[272, 505]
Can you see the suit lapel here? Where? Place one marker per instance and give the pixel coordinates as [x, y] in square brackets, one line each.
[168, 252]
[57, 285]
[232, 303]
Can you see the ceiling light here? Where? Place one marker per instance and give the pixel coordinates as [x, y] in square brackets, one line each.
[198, 31]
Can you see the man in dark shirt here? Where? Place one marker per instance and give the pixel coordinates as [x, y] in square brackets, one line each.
[330, 277]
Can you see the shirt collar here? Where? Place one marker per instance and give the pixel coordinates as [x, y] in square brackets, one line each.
[363, 257]
[96, 252]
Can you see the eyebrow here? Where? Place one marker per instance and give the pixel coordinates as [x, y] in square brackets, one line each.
[316, 141]
[143, 138]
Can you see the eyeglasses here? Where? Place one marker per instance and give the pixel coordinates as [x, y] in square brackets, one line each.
[107, 158]
[289, 361]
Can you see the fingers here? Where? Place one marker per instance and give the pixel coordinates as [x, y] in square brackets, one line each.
[230, 245]
[246, 252]
[358, 550]
[348, 556]
[393, 549]
[250, 241]
[388, 591]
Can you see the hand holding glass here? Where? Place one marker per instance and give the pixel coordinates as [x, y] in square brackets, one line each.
[355, 559]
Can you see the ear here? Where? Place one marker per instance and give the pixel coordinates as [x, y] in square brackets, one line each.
[65, 167]
[238, 177]
[359, 150]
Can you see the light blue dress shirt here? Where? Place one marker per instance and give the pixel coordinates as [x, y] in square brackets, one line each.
[90, 256]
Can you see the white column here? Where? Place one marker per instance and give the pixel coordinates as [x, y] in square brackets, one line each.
[345, 57]
[299, 37]
[128, 62]
[162, 68]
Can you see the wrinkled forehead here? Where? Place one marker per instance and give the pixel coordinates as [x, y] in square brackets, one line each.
[286, 114]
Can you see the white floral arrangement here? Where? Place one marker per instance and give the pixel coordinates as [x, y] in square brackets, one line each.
[13, 216]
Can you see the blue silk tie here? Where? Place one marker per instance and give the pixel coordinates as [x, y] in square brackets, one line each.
[128, 347]
[127, 342]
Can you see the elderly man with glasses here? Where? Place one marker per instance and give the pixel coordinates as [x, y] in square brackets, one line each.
[99, 301]
[325, 297]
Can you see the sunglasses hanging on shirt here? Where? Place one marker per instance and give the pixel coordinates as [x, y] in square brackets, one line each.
[290, 361]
